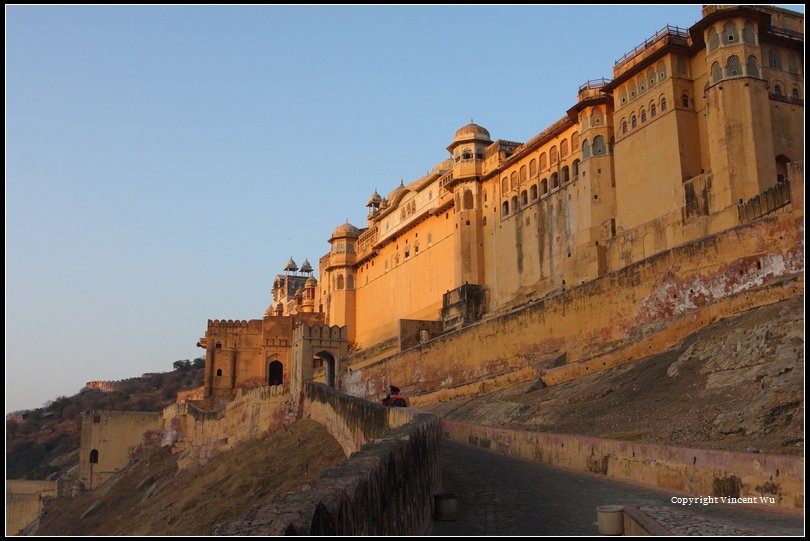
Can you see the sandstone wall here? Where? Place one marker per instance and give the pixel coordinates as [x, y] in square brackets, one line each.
[110, 438]
[24, 501]
[694, 284]
[385, 488]
[696, 472]
[201, 433]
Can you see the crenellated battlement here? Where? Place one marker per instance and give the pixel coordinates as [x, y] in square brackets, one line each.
[219, 323]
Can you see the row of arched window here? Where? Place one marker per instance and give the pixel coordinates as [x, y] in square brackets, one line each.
[775, 60]
[649, 112]
[730, 35]
[596, 148]
[778, 89]
[536, 165]
[734, 68]
[517, 202]
[642, 83]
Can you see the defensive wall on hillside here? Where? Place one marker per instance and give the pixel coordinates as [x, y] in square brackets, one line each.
[385, 487]
[24, 500]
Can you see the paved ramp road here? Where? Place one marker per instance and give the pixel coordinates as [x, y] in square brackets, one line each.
[501, 495]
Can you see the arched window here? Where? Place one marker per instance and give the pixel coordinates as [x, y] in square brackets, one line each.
[796, 93]
[623, 96]
[730, 33]
[682, 68]
[94, 456]
[631, 88]
[513, 181]
[663, 104]
[576, 168]
[553, 155]
[505, 208]
[717, 72]
[544, 186]
[565, 174]
[468, 200]
[533, 192]
[624, 127]
[533, 168]
[564, 148]
[633, 123]
[733, 67]
[555, 181]
[661, 68]
[749, 36]
[599, 145]
[543, 162]
[340, 281]
[586, 149]
[752, 67]
[350, 281]
[685, 100]
[793, 63]
[514, 203]
[651, 80]
[642, 84]
[575, 141]
[643, 116]
[712, 40]
[524, 198]
[523, 177]
[777, 89]
[504, 185]
[774, 58]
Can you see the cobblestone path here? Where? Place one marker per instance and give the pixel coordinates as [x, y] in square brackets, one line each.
[501, 495]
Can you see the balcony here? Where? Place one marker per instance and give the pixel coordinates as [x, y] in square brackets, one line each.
[665, 36]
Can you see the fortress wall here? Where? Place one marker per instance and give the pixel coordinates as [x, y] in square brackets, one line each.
[696, 472]
[703, 281]
[204, 433]
[196, 393]
[115, 436]
[24, 501]
[386, 487]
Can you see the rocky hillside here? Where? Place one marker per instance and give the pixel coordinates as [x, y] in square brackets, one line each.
[735, 385]
[151, 497]
[45, 442]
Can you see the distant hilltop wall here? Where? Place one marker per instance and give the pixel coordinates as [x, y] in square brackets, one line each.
[108, 386]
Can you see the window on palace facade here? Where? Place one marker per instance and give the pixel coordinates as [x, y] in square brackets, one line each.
[505, 208]
[555, 181]
[774, 58]
[652, 109]
[712, 40]
[685, 100]
[733, 67]
[633, 123]
[565, 174]
[533, 192]
[717, 72]
[576, 168]
[643, 116]
[752, 67]
[599, 145]
[524, 198]
[729, 32]
[586, 149]
[663, 104]
[749, 36]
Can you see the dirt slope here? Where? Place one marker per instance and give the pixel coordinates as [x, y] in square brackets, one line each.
[734, 385]
[152, 498]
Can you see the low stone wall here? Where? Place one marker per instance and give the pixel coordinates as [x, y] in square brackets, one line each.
[352, 421]
[696, 472]
[201, 433]
[384, 488]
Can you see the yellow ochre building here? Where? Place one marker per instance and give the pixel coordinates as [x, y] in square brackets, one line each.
[694, 135]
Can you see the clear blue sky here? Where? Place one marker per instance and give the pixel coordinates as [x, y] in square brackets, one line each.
[163, 163]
